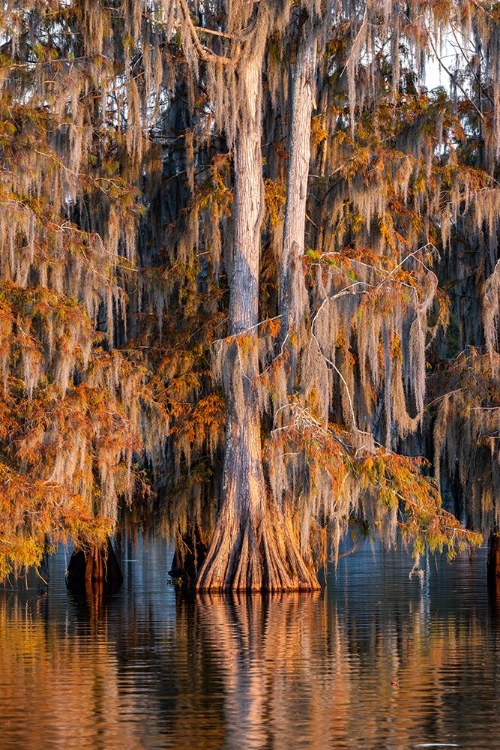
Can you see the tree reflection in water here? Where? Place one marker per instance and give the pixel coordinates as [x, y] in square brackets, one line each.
[376, 661]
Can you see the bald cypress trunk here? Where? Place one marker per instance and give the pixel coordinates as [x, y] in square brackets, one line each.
[253, 547]
[98, 565]
[494, 560]
[293, 299]
[233, 558]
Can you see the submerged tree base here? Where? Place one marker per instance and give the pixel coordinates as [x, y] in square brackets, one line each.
[494, 559]
[98, 565]
[190, 552]
[249, 556]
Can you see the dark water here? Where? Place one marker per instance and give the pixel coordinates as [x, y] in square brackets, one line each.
[379, 660]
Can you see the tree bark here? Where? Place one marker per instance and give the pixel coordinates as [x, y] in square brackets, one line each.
[494, 558]
[233, 557]
[293, 294]
[253, 547]
[98, 565]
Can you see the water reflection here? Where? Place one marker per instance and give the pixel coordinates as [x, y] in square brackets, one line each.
[263, 648]
[376, 661]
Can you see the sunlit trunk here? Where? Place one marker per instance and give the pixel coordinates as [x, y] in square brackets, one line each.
[293, 299]
[253, 546]
[233, 558]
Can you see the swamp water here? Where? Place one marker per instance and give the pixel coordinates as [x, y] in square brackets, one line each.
[377, 660]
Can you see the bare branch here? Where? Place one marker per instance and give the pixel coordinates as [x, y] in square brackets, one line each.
[202, 52]
[453, 78]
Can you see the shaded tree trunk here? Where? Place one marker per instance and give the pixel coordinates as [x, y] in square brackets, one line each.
[98, 565]
[494, 560]
[189, 555]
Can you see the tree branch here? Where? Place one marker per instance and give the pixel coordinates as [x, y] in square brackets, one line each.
[202, 52]
[452, 77]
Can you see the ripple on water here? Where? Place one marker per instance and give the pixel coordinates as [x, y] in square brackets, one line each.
[379, 660]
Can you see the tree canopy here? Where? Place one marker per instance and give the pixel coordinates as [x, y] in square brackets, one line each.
[249, 285]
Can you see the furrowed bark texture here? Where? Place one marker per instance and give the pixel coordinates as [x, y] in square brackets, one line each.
[253, 547]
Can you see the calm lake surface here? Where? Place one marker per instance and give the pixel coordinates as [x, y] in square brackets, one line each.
[378, 660]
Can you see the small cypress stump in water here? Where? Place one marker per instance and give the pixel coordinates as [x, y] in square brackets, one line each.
[190, 552]
[494, 564]
[99, 565]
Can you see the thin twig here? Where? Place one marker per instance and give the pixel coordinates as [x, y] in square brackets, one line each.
[453, 78]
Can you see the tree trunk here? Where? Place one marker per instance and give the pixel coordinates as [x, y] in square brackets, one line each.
[190, 553]
[253, 546]
[494, 559]
[293, 294]
[98, 565]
